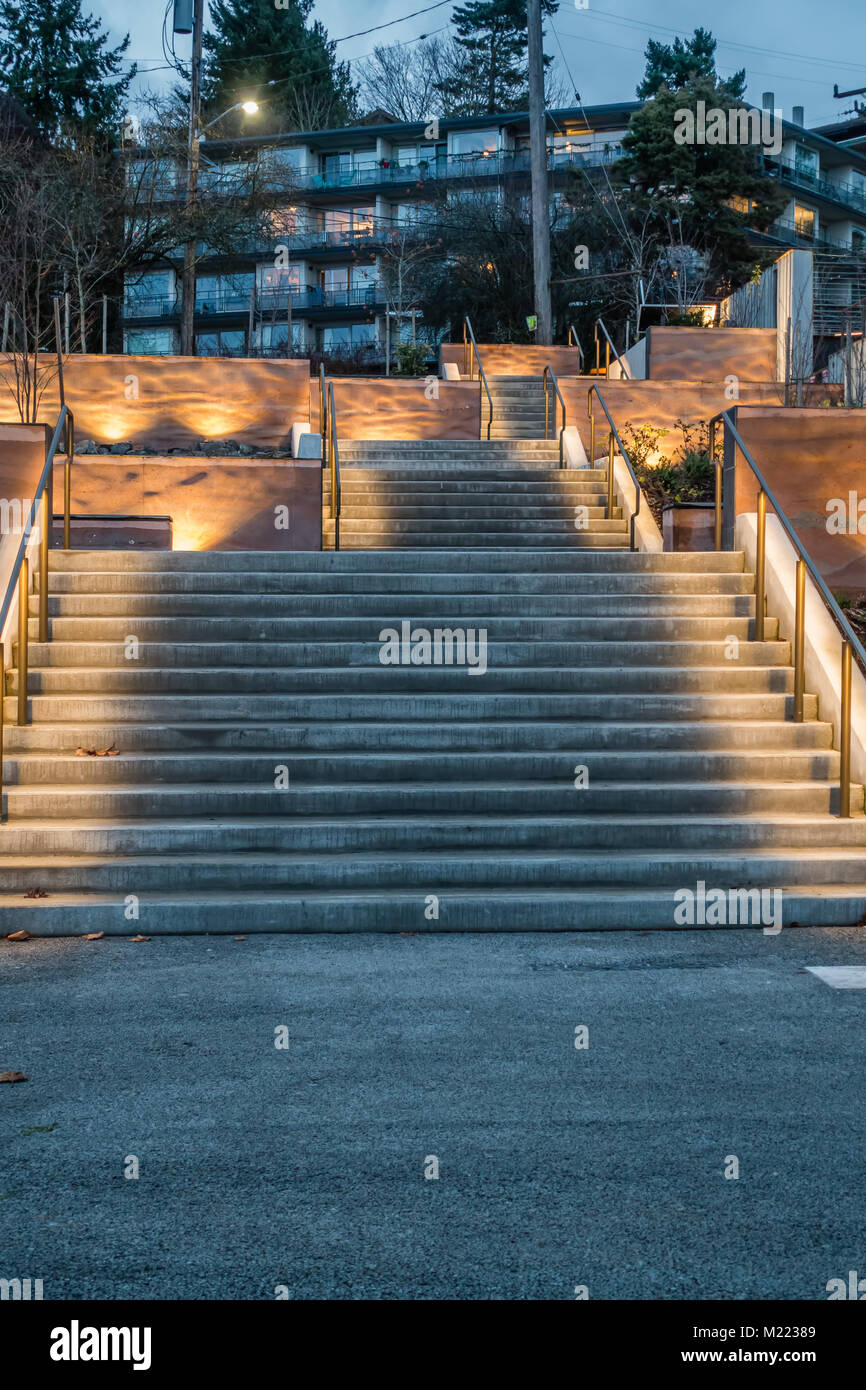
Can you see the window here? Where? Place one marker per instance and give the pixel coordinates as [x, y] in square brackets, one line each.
[279, 278]
[231, 344]
[806, 161]
[480, 143]
[149, 294]
[804, 221]
[343, 337]
[151, 342]
[223, 294]
[272, 338]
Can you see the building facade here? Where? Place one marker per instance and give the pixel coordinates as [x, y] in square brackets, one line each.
[317, 273]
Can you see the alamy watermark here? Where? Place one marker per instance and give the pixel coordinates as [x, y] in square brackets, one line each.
[735, 125]
[439, 646]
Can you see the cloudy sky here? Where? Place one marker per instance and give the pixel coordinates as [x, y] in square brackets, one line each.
[795, 48]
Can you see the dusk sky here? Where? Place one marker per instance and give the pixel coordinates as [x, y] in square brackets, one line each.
[797, 49]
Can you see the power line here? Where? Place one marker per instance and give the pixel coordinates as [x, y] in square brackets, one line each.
[358, 34]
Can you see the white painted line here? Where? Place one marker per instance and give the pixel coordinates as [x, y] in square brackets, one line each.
[840, 976]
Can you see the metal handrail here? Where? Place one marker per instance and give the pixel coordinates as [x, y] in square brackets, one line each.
[469, 347]
[549, 373]
[19, 580]
[614, 435]
[600, 323]
[574, 341]
[323, 413]
[851, 644]
[336, 481]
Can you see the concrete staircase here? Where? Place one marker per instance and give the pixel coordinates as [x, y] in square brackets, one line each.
[420, 796]
[518, 407]
[454, 493]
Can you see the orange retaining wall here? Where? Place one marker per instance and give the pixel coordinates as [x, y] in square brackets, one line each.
[402, 408]
[173, 402]
[809, 458]
[711, 354]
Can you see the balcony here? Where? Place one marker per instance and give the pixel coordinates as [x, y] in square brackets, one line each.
[844, 194]
[382, 174]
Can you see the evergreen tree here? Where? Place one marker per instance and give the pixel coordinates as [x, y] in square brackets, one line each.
[251, 44]
[493, 75]
[682, 62]
[56, 63]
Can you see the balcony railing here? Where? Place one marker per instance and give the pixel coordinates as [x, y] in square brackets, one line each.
[378, 172]
[267, 301]
[844, 193]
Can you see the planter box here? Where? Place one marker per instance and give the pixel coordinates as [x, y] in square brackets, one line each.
[688, 526]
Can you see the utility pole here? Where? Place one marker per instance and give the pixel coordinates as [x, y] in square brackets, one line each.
[187, 341]
[538, 161]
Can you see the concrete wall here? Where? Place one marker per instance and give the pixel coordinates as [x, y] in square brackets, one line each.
[516, 359]
[402, 408]
[214, 504]
[656, 403]
[22, 459]
[173, 402]
[711, 354]
[809, 458]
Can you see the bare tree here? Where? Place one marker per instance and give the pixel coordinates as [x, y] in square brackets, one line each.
[408, 79]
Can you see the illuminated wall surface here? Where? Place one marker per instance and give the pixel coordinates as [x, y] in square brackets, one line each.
[22, 458]
[661, 403]
[395, 408]
[214, 504]
[173, 402]
[815, 463]
[516, 359]
[711, 354]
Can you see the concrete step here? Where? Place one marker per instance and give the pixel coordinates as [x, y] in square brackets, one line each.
[504, 541]
[605, 909]
[316, 586]
[93, 639]
[695, 835]
[455, 561]
[444, 736]
[430, 871]
[535, 766]
[652, 696]
[56, 800]
[480, 608]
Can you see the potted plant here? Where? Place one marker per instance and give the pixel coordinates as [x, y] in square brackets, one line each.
[680, 490]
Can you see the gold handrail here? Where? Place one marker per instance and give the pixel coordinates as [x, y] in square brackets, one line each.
[613, 435]
[851, 644]
[19, 579]
[336, 481]
[469, 347]
[549, 372]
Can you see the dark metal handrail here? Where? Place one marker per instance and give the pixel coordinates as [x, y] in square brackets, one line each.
[336, 481]
[851, 644]
[600, 324]
[614, 435]
[574, 341]
[19, 579]
[549, 374]
[469, 347]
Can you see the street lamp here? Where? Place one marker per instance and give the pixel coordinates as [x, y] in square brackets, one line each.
[196, 136]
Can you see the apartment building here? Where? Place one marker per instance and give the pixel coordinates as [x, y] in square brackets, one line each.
[312, 277]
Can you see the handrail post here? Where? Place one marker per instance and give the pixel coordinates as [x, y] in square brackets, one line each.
[607, 357]
[597, 351]
[610, 449]
[800, 643]
[23, 634]
[44, 524]
[845, 734]
[546, 405]
[760, 561]
[591, 428]
[717, 516]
